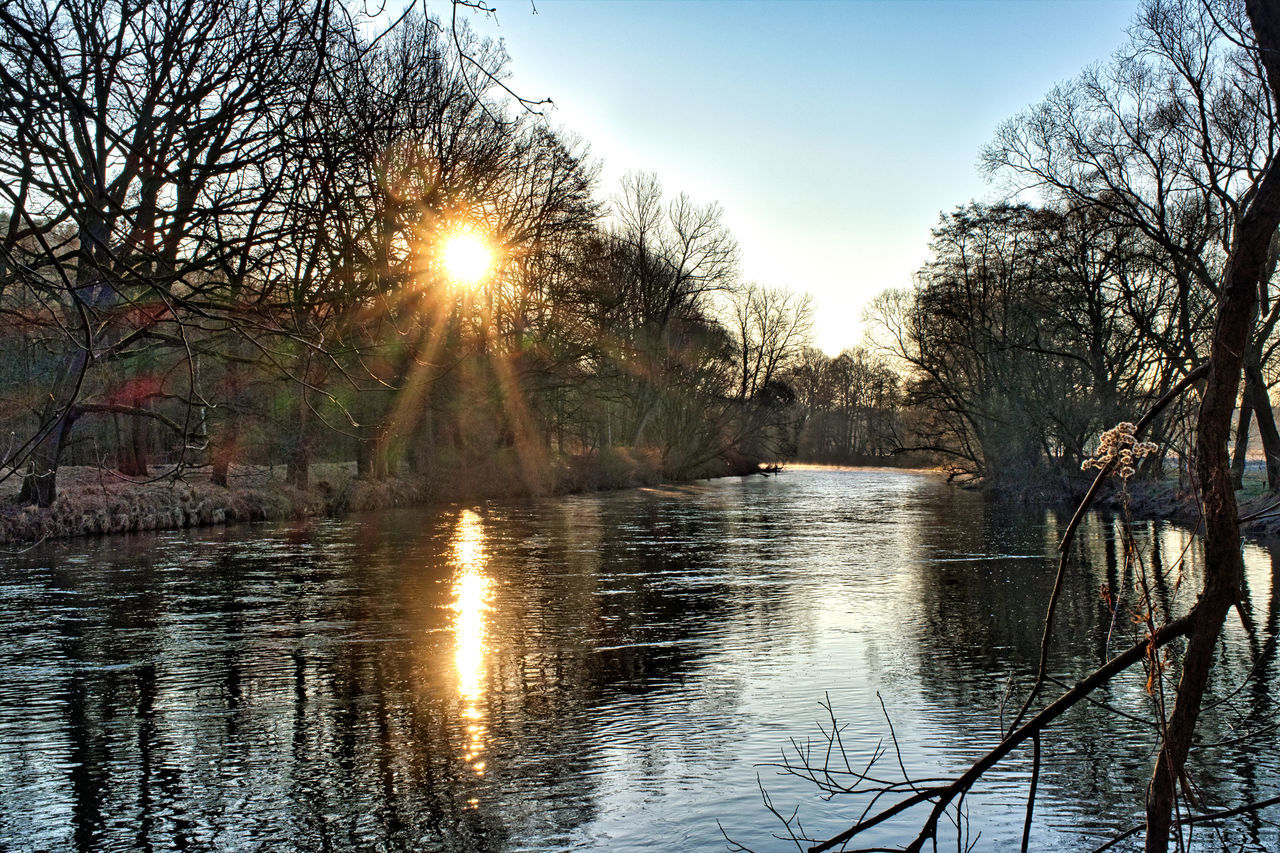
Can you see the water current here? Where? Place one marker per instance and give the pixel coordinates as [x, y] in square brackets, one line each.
[618, 671]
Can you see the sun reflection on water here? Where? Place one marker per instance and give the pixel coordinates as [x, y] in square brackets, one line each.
[472, 591]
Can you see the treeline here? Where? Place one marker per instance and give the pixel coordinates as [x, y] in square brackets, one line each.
[1035, 326]
[224, 242]
[852, 409]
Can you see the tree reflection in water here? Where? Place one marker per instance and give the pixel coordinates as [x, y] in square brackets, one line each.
[596, 672]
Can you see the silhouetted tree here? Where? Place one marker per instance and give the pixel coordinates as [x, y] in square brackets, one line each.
[1169, 140]
[142, 149]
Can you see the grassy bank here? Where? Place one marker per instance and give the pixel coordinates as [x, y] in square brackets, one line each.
[1167, 499]
[96, 501]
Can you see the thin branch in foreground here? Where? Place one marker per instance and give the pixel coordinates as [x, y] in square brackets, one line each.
[943, 795]
[1247, 808]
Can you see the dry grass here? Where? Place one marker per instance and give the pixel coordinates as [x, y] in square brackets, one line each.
[95, 501]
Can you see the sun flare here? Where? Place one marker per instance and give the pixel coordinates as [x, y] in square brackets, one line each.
[467, 258]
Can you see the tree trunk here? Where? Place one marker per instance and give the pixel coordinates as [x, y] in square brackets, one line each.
[383, 453]
[40, 483]
[132, 454]
[1256, 389]
[373, 453]
[364, 458]
[298, 467]
[1222, 561]
[223, 445]
[1241, 449]
[638, 438]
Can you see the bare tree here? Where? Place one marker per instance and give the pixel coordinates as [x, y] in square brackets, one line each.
[770, 327]
[142, 153]
[675, 257]
[1170, 139]
[1169, 806]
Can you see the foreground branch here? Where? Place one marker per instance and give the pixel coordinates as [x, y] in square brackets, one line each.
[943, 795]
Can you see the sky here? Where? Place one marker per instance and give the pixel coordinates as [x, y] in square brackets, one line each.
[832, 133]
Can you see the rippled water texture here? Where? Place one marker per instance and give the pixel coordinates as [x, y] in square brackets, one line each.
[594, 672]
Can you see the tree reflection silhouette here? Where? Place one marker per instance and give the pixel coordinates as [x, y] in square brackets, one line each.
[312, 688]
[306, 692]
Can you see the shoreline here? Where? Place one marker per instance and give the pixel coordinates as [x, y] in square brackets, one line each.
[98, 502]
[1159, 500]
[1170, 501]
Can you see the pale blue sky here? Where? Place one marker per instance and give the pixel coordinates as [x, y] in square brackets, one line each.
[833, 133]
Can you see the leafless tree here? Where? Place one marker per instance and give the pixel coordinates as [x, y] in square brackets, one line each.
[770, 327]
[1169, 804]
[1170, 139]
[673, 258]
[141, 149]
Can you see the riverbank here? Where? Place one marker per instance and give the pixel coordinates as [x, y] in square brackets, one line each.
[1168, 500]
[97, 501]
[1259, 509]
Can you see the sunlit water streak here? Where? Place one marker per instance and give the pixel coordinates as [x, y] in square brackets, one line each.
[599, 672]
[472, 593]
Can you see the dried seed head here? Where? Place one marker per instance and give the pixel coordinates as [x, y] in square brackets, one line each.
[1118, 447]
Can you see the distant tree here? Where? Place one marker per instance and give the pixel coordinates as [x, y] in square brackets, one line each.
[669, 259]
[851, 407]
[770, 328]
[971, 333]
[1029, 330]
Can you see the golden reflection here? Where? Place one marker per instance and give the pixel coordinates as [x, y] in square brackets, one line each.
[472, 591]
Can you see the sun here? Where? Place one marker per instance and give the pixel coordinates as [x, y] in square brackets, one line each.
[467, 257]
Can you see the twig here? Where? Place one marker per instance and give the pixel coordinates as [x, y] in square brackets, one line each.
[1031, 790]
[1257, 805]
[944, 794]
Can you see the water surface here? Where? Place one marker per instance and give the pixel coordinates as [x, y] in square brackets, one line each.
[598, 672]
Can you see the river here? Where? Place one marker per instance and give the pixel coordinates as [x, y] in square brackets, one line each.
[613, 671]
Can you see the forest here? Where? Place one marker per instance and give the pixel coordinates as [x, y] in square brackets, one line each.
[225, 241]
[226, 226]
[1040, 322]
[282, 233]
